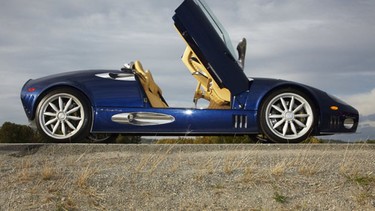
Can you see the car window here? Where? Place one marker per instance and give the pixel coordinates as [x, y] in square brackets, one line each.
[217, 25]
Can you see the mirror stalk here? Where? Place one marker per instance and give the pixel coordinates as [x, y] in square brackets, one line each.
[241, 49]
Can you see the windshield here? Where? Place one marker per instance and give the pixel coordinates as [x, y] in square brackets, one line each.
[217, 25]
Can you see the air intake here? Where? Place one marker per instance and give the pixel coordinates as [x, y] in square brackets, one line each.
[239, 121]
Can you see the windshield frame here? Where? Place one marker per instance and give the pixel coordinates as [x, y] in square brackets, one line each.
[206, 37]
[219, 28]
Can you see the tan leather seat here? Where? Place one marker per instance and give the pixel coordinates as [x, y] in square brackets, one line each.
[152, 90]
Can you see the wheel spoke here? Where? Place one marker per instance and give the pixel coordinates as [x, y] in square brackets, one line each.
[75, 118]
[276, 116]
[63, 129]
[277, 108]
[301, 115]
[68, 105]
[49, 114]
[70, 125]
[53, 107]
[50, 121]
[299, 123]
[55, 127]
[279, 123]
[285, 128]
[73, 110]
[283, 103]
[299, 107]
[293, 127]
[61, 104]
[291, 104]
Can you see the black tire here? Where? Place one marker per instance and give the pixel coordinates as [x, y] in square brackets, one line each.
[287, 116]
[102, 137]
[64, 115]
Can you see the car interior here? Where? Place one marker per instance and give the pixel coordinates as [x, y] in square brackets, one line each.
[152, 90]
[207, 88]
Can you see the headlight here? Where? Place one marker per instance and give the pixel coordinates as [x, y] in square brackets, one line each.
[349, 123]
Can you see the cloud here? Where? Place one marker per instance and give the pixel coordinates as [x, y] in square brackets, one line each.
[364, 102]
[371, 117]
[44, 38]
[325, 44]
[307, 41]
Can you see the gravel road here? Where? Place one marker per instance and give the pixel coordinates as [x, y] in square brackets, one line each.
[187, 177]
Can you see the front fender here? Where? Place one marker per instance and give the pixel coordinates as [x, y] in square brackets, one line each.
[262, 87]
[330, 121]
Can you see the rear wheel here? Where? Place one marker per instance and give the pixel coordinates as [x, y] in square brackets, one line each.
[287, 116]
[64, 115]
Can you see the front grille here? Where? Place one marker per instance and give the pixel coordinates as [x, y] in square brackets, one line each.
[335, 122]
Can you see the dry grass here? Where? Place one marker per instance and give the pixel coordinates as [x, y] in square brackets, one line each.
[48, 172]
[25, 173]
[279, 169]
[232, 179]
[84, 176]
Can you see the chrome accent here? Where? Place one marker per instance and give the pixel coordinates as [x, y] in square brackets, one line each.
[143, 118]
[241, 49]
[235, 121]
[349, 123]
[117, 76]
[200, 73]
[129, 65]
[245, 122]
[240, 121]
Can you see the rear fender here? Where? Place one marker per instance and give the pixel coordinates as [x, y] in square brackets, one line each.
[102, 92]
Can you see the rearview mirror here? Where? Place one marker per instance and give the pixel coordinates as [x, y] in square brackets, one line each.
[241, 49]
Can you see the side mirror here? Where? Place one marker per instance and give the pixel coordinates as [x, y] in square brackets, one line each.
[241, 49]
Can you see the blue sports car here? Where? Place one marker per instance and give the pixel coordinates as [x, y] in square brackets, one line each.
[100, 104]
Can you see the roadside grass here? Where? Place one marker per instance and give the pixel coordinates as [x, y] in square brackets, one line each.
[84, 176]
[279, 198]
[48, 172]
[25, 174]
[278, 175]
[308, 166]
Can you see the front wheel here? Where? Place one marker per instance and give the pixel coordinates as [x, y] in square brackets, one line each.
[64, 115]
[287, 116]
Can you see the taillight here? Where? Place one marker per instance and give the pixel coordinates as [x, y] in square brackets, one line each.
[31, 89]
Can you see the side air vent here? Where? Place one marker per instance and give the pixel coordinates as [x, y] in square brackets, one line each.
[239, 121]
[335, 122]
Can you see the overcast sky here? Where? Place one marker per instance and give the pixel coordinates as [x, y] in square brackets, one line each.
[326, 44]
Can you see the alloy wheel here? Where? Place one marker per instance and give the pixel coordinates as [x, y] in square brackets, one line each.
[289, 116]
[61, 116]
